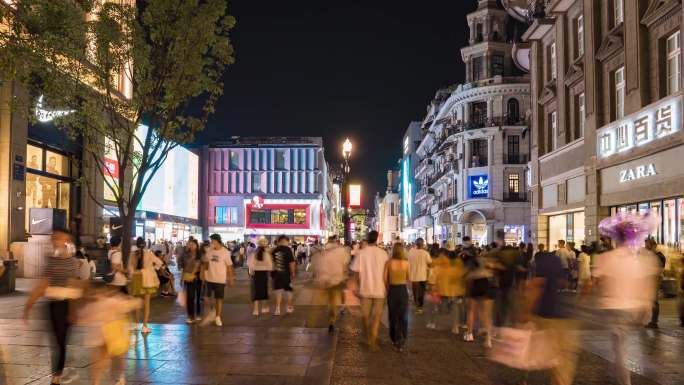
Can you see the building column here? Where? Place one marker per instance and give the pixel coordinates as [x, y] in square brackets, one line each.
[13, 133]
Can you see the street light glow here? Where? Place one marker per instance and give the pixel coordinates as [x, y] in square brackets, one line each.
[346, 148]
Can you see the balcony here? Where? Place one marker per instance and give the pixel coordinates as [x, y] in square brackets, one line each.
[516, 159]
[478, 161]
[496, 121]
[515, 196]
[444, 204]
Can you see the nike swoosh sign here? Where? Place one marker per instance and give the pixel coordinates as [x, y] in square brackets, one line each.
[117, 227]
[35, 222]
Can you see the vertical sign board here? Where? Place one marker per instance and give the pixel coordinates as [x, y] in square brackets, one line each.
[478, 186]
[354, 195]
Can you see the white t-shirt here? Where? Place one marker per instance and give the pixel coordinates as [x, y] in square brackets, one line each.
[115, 257]
[626, 279]
[418, 259]
[370, 264]
[217, 264]
[565, 256]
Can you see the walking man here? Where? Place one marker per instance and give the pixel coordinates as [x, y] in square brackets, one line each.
[370, 266]
[419, 263]
[217, 268]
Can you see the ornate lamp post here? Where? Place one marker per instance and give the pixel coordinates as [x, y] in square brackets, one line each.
[346, 153]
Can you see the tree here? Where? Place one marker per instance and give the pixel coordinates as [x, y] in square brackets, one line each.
[118, 67]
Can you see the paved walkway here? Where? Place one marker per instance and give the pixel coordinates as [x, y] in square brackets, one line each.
[296, 349]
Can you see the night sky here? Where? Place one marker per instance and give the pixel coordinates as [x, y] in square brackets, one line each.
[336, 69]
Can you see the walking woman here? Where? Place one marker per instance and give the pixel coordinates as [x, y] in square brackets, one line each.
[260, 264]
[144, 280]
[60, 286]
[191, 265]
[449, 285]
[397, 281]
[479, 296]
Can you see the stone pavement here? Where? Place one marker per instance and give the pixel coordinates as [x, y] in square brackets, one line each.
[296, 349]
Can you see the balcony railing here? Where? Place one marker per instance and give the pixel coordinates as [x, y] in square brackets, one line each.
[456, 127]
[443, 204]
[516, 158]
[536, 9]
[515, 196]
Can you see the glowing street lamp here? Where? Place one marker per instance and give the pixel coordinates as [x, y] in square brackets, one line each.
[346, 149]
[346, 153]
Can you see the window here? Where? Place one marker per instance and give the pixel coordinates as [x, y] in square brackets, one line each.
[554, 130]
[34, 157]
[497, 65]
[234, 160]
[581, 115]
[260, 216]
[279, 217]
[513, 184]
[280, 159]
[552, 61]
[513, 110]
[674, 68]
[478, 114]
[300, 216]
[618, 13]
[619, 86]
[56, 164]
[477, 68]
[392, 209]
[478, 33]
[44, 192]
[226, 215]
[256, 182]
[580, 36]
[514, 149]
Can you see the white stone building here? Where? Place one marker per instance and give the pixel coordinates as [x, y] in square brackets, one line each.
[475, 148]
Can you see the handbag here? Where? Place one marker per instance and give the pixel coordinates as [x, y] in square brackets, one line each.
[189, 277]
[116, 337]
[525, 349]
[135, 286]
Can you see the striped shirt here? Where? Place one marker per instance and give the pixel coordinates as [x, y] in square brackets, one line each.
[58, 271]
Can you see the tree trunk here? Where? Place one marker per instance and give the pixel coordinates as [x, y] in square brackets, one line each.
[126, 237]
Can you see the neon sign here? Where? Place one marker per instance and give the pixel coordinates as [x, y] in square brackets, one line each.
[43, 115]
[656, 121]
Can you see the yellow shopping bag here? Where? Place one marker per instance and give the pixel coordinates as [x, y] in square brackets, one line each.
[116, 337]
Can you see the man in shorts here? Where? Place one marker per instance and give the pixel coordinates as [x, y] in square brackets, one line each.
[284, 269]
[217, 268]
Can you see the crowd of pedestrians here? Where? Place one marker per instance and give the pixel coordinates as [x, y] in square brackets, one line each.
[486, 292]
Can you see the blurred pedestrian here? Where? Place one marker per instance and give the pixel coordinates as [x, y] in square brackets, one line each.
[370, 266]
[283, 274]
[448, 283]
[479, 292]
[397, 281]
[625, 281]
[190, 263]
[60, 285]
[118, 272]
[144, 280]
[584, 268]
[259, 265]
[419, 262]
[652, 247]
[330, 274]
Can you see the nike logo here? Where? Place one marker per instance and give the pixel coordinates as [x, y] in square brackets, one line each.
[117, 227]
[35, 222]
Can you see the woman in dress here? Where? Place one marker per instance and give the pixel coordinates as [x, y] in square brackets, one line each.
[191, 265]
[397, 281]
[144, 281]
[260, 264]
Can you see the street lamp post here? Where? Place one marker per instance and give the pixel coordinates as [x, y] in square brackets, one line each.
[346, 153]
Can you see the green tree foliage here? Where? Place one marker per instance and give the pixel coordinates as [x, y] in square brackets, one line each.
[78, 53]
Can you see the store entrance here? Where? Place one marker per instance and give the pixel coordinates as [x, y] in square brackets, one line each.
[475, 227]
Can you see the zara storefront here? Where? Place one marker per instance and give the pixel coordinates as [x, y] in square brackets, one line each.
[640, 168]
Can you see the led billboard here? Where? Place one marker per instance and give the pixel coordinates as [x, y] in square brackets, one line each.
[174, 188]
[354, 195]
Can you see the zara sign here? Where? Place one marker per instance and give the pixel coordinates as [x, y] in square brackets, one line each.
[478, 186]
[638, 172]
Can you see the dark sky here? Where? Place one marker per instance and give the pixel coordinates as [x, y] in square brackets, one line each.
[336, 69]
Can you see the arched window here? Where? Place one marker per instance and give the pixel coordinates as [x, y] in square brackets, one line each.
[513, 110]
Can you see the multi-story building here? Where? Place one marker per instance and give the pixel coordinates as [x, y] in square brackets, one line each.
[266, 186]
[606, 78]
[407, 184]
[387, 210]
[475, 147]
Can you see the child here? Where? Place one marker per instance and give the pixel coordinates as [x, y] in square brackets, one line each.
[106, 313]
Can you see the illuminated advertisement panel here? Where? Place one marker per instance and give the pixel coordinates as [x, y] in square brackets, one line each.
[174, 188]
[478, 186]
[406, 191]
[354, 195]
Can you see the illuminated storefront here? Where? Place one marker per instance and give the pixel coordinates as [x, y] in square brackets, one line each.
[568, 227]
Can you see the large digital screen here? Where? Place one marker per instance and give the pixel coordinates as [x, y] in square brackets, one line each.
[173, 190]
